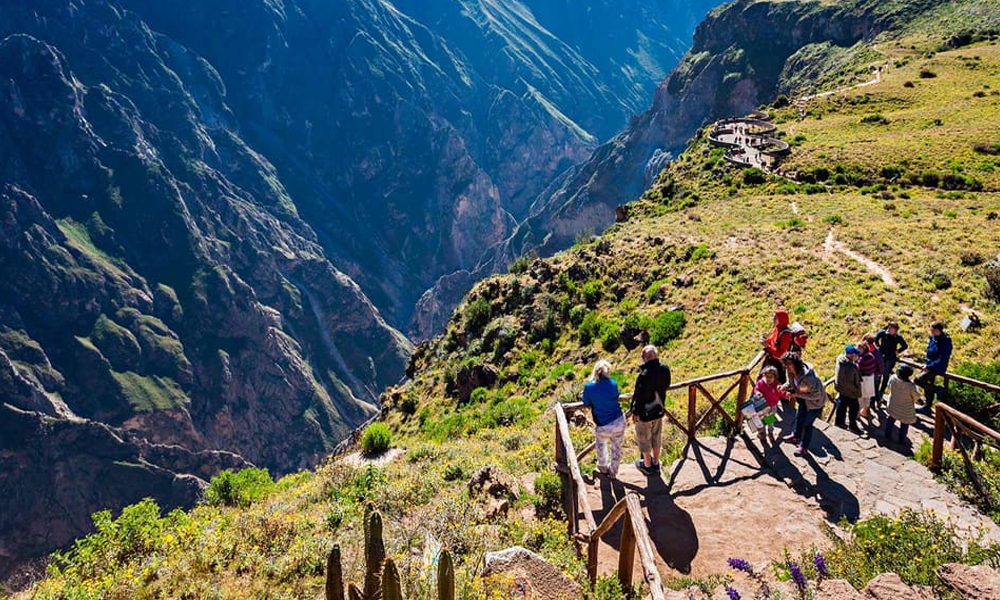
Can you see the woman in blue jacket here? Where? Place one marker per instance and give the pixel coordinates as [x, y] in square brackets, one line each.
[601, 395]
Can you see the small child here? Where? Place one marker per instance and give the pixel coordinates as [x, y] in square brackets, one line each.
[768, 386]
[903, 396]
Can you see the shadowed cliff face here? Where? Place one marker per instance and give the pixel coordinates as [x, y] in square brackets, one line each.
[205, 213]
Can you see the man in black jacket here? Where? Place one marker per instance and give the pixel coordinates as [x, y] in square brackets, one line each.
[890, 344]
[647, 409]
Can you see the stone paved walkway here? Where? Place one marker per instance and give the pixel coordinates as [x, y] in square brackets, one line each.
[718, 502]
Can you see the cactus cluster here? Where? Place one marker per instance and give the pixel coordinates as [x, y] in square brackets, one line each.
[381, 580]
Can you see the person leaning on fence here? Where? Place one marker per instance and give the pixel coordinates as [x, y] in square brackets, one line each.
[601, 395]
[647, 409]
[935, 363]
[847, 382]
[777, 343]
[806, 388]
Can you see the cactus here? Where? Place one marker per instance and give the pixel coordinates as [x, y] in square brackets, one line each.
[446, 577]
[374, 553]
[391, 589]
[334, 575]
[353, 593]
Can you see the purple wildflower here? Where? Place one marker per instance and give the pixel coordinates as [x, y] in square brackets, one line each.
[797, 576]
[820, 564]
[733, 594]
[741, 565]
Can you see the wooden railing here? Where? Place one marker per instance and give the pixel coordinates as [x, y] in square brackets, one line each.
[949, 422]
[635, 534]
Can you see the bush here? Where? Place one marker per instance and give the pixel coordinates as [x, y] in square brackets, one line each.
[992, 272]
[548, 493]
[610, 335]
[975, 401]
[477, 315]
[876, 119]
[454, 472]
[376, 438]
[592, 292]
[239, 488]
[953, 474]
[927, 74]
[889, 544]
[834, 220]
[667, 326]
[589, 327]
[754, 176]
[520, 265]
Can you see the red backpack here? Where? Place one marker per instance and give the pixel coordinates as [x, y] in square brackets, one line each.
[800, 337]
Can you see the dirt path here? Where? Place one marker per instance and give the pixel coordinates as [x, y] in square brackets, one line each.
[831, 245]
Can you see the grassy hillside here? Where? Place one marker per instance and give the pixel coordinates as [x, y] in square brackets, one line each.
[905, 173]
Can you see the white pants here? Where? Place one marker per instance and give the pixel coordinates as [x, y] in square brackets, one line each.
[609, 445]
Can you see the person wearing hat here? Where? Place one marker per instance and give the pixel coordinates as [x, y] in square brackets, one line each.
[847, 382]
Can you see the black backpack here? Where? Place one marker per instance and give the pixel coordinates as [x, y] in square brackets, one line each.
[650, 392]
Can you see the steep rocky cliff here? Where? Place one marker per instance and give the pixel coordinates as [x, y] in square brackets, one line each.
[737, 61]
[213, 221]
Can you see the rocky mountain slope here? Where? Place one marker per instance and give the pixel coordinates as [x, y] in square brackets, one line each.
[215, 221]
[744, 54]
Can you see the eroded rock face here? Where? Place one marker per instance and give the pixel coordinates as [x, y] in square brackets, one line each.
[88, 467]
[532, 575]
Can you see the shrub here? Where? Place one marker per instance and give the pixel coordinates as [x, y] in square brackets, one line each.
[975, 401]
[334, 518]
[592, 292]
[478, 395]
[927, 74]
[888, 544]
[930, 179]
[982, 148]
[520, 265]
[454, 472]
[654, 289]
[781, 101]
[477, 315]
[814, 188]
[610, 335]
[667, 326]
[876, 119]
[992, 272]
[908, 84]
[971, 258]
[792, 223]
[834, 220]
[548, 492]
[953, 474]
[589, 327]
[754, 176]
[376, 438]
[239, 488]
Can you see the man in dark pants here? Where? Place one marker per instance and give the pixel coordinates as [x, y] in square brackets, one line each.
[647, 409]
[935, 363]
[847, 382]
[890, 345]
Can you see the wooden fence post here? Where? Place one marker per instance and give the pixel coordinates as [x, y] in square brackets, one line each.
[938, 448]
[592, 545]
[692, 411]
[741, 398]
[626, 554]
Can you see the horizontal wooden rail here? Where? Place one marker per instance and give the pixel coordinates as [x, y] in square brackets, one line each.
[989, 387]
[574, 471]
[645, 547]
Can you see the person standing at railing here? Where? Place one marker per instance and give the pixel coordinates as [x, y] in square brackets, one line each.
[806, 387]
[847, 382]
[647, 409]
[890, 346]
[601, 395]
[935, 363]
[903, 396]
[868, 366]
[778, 343]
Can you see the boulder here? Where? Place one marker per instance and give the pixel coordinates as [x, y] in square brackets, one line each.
[837, 589]
[981, 582]
[889, 586]
[533, 577]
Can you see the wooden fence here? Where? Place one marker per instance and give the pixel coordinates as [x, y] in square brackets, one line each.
[635, 534]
